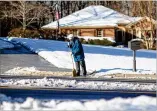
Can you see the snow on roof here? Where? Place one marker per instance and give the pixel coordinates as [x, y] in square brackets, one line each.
[93, 16]
[138, 19]
[99, 22]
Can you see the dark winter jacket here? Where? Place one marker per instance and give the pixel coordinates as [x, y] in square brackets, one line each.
[77, 49]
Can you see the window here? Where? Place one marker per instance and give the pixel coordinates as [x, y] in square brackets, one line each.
[99, 33]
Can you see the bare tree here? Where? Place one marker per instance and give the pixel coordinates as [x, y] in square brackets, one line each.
[25, 12]
[148, 9]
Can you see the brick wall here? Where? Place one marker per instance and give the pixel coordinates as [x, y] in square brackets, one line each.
[109, 32]
[93, 32]
[87, 32]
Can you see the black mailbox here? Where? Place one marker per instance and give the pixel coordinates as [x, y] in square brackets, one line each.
[135, 44]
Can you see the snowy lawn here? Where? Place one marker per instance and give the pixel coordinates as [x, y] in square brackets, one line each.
[105, 60]
[141, 103]
[4, 44]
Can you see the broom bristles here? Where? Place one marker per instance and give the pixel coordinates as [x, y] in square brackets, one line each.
[74, 73]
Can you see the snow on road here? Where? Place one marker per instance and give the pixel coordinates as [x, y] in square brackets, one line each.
[106, 60]
[74, 84]
[140, 103]
[33, 71]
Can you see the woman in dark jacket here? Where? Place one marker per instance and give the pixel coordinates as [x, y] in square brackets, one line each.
[78, 54]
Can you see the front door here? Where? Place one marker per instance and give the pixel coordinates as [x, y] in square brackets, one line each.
[119, 35]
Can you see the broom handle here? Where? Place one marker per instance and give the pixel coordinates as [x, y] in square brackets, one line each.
[72, 60]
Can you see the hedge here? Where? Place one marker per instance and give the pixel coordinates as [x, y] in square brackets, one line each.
[103, 42]
[28, 33]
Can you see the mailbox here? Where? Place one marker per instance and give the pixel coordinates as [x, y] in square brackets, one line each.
[135, 44]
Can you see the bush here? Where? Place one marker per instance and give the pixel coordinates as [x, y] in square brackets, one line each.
[104, 42]
[48, 34]
[81, 40]
[84, 42]
[107, 42]
[90, 41]
[51, 34]
[34, 33]
[19, 32]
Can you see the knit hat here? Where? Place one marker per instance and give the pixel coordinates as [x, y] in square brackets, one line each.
[70, 36]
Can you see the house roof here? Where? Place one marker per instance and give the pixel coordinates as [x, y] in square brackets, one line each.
[147, 18]
[93, 16]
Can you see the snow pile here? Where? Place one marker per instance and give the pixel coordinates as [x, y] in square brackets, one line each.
[117, 71]
[33, 71]
[4, 44]
[20, 69]
[30, 71]
[105, 60]
[126, 104]
[74, 84]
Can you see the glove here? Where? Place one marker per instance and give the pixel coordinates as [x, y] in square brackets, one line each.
[69, 45]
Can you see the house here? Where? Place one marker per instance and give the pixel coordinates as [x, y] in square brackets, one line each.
[99, 21]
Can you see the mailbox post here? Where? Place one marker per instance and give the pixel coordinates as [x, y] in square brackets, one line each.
[134, 60]
[134, 45]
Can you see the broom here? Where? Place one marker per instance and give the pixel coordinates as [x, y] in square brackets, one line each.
[73, 70]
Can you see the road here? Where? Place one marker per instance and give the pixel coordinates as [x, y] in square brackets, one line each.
[62, 93]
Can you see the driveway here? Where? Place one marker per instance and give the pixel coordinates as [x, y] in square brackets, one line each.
[21, 57]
